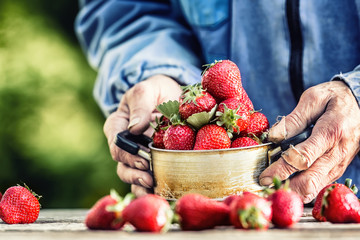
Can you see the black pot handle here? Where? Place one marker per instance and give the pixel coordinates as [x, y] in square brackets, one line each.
[134, 144]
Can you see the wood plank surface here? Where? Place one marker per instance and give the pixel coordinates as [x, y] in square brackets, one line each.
[69, 224]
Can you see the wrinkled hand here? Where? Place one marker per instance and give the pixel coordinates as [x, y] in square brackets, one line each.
[135, 111]
[334, 142]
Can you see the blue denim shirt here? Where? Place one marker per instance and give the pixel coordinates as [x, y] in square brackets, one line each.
[129, 41]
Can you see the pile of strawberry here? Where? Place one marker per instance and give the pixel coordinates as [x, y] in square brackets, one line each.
[216, 114]
[152, 213]
[19, 205]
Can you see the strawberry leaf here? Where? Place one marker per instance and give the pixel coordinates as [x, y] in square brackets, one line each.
[198, 120]
[168, 109]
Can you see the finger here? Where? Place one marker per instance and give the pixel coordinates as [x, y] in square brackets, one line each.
[323, 172]
[139, 191]
[280, 169]
[311, 105]
[128, 159]
[322, 138]
[301, 156]
[114, 124]
[134, 176]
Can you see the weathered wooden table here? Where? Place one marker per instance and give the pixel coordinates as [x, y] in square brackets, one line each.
[69, 224]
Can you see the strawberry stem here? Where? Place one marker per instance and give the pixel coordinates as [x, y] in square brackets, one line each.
[348, 182]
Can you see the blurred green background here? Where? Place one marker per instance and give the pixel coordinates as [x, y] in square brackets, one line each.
[51, 128]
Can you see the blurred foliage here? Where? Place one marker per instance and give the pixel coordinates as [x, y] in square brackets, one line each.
[51, 128]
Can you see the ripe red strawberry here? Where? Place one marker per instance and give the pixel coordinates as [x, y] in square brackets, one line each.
[198, 212]
[149, 213]
[222, 80]
[212, 136]
[340, 204]
[233, 115]
[317, 209]
[0, 196]
[245, 100]
[229, 199]
[179, 137]
[158, 135]
[195, 100]
[258, 125]
[243, 142]
[250, 211]
[19, 205]
[106, 213]
[287, 205]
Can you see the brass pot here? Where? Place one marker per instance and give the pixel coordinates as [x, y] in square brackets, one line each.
[213, 173]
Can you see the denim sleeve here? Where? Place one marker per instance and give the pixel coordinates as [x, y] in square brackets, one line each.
[127, 41]
[352, 79]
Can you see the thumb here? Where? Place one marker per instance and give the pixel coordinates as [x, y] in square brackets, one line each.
[140, 109]
[310, 107]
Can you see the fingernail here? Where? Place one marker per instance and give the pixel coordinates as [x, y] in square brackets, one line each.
[278, 131]
[308, 198]
[143, 183]
[265, 181]
[133, 122]
[140, 165]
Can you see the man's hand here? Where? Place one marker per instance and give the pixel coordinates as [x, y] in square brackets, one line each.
[334, 142]
[136, 109]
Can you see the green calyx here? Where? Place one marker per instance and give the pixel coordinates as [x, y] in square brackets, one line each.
[121, 202]
[32, 192]
[159, 123]
[168, 109]
[276, 185]
[191, 93]
[353, 187]
[324, 201]
[252, 218]
[198, 120]
[169, 220]
[208, 66]
[228, 119]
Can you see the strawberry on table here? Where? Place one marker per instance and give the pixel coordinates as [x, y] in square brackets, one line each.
[317, 211]
[250, 211]
[340, 204]
[243, 142]
[222, 80]
[106, 213]
[149, 213]
[229, 199]
[286, 204]
[212, 136]
[198, 212]
[195, 100]
[19, 205]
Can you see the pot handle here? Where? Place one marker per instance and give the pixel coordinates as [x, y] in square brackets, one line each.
[134, 144]
[275, 153]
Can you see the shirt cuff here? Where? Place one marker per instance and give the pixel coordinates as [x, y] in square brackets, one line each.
[352, 79]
